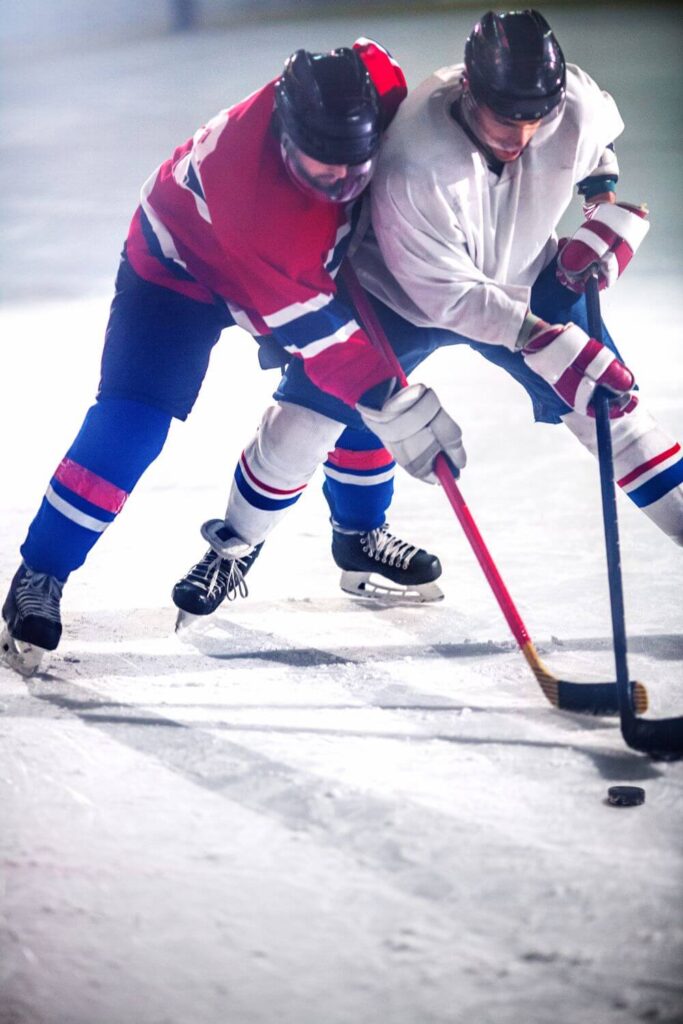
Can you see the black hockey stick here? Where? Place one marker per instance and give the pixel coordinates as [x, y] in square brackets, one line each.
[586, 698]
[660, 738]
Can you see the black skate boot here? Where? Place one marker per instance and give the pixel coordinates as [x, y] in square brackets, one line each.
[33, 622]
[359, 555]
[219, 575]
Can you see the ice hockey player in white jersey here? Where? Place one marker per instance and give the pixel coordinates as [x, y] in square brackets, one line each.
[475, 172]
[478, 168]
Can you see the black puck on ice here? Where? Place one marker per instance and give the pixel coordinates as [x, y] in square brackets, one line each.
[625, 796]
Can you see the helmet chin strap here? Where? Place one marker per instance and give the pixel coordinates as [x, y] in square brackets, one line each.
[465, 114]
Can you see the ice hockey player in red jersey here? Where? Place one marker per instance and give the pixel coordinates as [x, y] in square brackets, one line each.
[247, 223]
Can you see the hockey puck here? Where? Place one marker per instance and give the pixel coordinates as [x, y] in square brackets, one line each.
[625, 796]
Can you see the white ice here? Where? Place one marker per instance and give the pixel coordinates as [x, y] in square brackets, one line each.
[312, 811]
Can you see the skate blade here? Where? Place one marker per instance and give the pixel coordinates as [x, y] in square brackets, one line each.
[366, 586]
[18, 655]
[186, 620]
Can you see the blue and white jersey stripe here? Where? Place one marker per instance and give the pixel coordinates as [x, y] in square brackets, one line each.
[308, 347]
[345, 233]
[186, 174]
[309, 328]
[163, 238]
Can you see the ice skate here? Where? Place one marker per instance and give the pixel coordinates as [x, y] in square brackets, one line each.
[33, 623]
[217, 577]
[372, 561]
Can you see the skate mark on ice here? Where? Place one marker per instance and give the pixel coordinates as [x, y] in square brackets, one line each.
[662, 646]
[211, 642]
[620, 764]
[300, 801]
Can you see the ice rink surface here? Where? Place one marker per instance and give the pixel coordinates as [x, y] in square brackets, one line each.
[312, 811]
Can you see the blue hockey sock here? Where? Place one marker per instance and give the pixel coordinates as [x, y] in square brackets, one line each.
[118, 440]
[359, 481]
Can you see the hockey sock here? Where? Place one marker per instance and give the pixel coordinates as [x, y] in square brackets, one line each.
[359, 481]
[118, 440]
[648, 465]
[275, 467]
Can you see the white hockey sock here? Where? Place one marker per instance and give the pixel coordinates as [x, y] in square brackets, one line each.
[648, 465]
[275, 467]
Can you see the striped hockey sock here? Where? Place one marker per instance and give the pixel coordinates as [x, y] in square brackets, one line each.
[275, 467]
[648, 465]
[655, 483]
[256, 503]
[359, 481]
[117, 442]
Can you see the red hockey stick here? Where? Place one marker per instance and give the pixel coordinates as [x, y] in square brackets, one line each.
[587, 698]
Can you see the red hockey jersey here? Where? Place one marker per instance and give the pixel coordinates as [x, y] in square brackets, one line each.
[222, 219]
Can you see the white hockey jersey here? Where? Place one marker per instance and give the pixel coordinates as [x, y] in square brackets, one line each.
[454, 245]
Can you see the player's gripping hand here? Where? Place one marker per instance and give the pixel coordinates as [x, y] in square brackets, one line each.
[414, 428]
[606, 241]
[575, 364]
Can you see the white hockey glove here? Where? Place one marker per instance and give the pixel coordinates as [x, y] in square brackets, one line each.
[574, 365]
[414, 428]
[607, 240]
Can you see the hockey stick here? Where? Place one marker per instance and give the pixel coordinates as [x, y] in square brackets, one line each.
[587, 698]
[661, 738]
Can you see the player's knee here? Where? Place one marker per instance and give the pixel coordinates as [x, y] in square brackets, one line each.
[293, 441]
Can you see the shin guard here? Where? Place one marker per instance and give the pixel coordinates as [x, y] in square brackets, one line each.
[117, 442]
[359, 481]
[275, 467]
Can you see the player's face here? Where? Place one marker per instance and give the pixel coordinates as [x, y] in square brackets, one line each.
[335, 183]
[506, 139]
[324, 175]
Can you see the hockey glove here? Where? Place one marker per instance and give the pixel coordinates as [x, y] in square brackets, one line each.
[414, 428]
[606, 241]
[574, 365]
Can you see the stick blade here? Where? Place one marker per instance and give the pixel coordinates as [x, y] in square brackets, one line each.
[598, 698]
[582, 698]
[661, 739]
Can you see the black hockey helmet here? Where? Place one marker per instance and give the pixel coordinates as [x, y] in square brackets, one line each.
[329, 107]
[515, 66]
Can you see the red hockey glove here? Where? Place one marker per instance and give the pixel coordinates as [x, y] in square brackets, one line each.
[607, 240]
[574, 365]
[414, 427]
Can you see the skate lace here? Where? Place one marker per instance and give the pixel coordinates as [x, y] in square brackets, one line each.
[39, 594]
[387, 549]
[215, 573]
